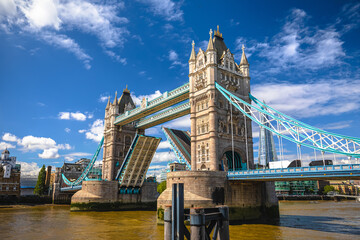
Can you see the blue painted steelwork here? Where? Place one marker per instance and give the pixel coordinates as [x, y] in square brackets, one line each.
[124, 190]
[120, 174]
[72, 188]
[181, 158]
[85, 173]
[295, 131]
[348, 171]
[164, 98]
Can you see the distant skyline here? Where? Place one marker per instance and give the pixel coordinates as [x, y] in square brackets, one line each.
[60, 60]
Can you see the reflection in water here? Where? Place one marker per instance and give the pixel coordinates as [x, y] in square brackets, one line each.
[299, 220]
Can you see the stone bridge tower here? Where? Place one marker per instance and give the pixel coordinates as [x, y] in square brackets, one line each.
[117, 140]
[220, 137]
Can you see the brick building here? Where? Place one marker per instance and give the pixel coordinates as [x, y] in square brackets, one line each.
[9, 175]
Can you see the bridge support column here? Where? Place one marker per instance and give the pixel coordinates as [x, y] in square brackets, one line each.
[247, 200]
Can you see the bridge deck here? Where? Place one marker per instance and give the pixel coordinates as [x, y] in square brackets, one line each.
[333, 172]
[133, 171]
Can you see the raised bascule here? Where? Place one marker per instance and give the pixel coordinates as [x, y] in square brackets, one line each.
[217, 153]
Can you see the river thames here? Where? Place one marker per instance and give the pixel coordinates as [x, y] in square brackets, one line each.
[299, 220]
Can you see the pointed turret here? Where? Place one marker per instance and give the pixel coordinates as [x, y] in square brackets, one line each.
[115, 99]
[192, 56]
[244, 64]
[108, 104]
[210, 44]
[244, 60]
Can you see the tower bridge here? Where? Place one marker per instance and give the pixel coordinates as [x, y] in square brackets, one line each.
[218, 152]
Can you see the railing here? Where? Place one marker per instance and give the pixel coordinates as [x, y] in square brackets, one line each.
[164, 114]
[164, 97]
[305, 172]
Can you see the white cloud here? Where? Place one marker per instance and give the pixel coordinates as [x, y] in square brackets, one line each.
[95, 132]
[163, 157]
[47, 20]
[64, 115]
[74, 116]
[42, 13]
[179, 123]
[298, 46]
[164, 145]
[9, 137]
[78, 116]
[76, 155]
[49, 153]
[324, 97]
[29, 169]
[103, 98]
[174, 58]
[63, 41]
[168, 9]
[30, 143]
[337, 125]
[4, 145]
[137, 99]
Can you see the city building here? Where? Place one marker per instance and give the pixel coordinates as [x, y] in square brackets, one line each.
[9, 175]
[288, 188]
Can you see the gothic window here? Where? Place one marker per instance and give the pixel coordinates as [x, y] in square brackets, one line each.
[203, 153]
[207, 155]
[221, 76]
[127, 140]
[202, 105]
[199, 156]
[226, 64]
[231, 66]
[221, 104]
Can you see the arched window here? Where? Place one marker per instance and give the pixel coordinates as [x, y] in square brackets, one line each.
[127, 140]
[239, 165]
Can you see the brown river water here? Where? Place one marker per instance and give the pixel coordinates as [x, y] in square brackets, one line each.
[299, 220]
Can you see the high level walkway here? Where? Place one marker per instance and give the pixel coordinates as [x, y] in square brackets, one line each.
[147, 108]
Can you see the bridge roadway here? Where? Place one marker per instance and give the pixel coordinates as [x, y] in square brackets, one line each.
[329, 172]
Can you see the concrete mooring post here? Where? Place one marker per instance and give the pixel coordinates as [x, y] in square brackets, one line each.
[197, 224]
[167, 223]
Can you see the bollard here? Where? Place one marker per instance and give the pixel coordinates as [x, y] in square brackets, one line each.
[174, 213]
[167, 223]
[197, 224]
[223, 233]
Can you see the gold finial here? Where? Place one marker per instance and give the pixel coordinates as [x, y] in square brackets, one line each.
[193, 44]
[217, 32]
[243, 47]
[126, 89]
[210, 33]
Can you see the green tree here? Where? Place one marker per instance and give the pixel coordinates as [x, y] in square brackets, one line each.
[328, 188]
[40, 184]
[161, 187]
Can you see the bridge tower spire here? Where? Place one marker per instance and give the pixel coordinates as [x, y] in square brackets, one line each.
[214, 126]
[117, 140]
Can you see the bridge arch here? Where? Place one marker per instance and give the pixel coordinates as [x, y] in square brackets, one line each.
[227, 160]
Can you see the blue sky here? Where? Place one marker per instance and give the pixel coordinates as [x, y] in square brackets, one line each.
[60, 60]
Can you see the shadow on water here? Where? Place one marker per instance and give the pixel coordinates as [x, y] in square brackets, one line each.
[320, 223]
